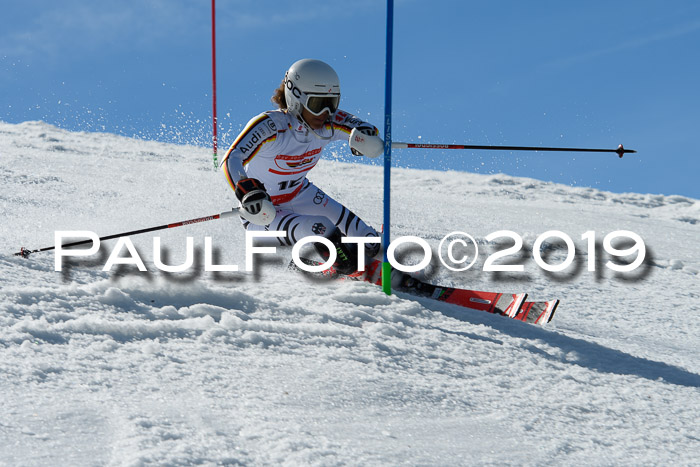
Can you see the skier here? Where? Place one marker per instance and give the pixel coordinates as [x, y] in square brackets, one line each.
[270, 159]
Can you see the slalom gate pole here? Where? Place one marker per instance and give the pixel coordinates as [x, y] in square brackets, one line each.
[25, 253]
[386, 267]
[213, 75]
[620, 151]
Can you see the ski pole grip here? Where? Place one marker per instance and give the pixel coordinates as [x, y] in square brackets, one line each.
[231, 213]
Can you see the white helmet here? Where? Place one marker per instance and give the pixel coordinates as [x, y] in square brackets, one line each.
[313, 85]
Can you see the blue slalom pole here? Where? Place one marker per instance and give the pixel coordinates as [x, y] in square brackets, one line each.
[386, 267]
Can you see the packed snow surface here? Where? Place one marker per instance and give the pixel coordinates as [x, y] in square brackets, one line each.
[124, 367]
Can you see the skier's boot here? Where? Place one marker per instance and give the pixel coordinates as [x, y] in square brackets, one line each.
[346, 253]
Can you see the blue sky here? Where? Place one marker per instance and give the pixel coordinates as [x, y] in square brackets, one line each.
[551, 73]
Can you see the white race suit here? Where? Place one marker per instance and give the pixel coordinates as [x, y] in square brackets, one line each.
[278, 150]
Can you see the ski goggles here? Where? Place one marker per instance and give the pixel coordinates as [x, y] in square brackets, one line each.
[316, 105]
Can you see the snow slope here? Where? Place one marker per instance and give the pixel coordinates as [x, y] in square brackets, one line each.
[133, 368]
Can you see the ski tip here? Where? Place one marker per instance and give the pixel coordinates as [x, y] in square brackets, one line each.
[555, 304]
[517, 304]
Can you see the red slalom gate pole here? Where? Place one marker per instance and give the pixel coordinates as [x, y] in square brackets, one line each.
[213, 75]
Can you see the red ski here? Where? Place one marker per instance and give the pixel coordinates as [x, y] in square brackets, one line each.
[511, 305]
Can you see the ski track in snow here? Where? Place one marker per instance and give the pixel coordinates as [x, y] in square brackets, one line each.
[131, 368]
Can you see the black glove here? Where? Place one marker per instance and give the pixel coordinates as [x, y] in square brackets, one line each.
[251, 192]
[366, 130]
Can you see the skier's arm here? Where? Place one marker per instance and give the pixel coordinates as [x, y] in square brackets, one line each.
[365, 142]
[258, 135]
[363, 137]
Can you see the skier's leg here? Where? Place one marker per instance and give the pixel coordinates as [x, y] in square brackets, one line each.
[314, 201]
[297, 226]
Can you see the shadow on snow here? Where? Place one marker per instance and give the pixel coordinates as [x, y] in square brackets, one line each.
[590, 355]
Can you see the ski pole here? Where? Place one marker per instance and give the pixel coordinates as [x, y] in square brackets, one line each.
[25, 252]
[620, 151]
